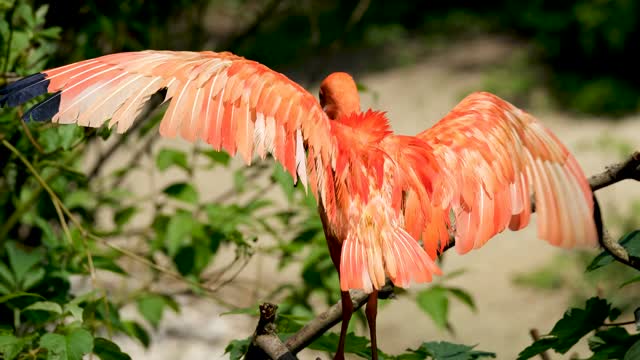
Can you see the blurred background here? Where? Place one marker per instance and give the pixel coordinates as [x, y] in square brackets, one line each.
[573, 64]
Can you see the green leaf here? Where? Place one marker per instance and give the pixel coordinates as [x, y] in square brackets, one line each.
[151, 306]
[178, 231]
[354, 344]
[630, 241]
[48, 237]
[10, 346]
[218, 157]
[538, 347]
[123, 216]
[71, 346]
[435, 303]
[442, 350]
[239, 180]
[6, 276]
[107, 350]
[634, 352]
[48, 306]
[578, 322]
[74, 310]
[237, 348]
[69, 134]
[463, 296]
[136, 330]
[183, 192]
[171, 157]
[22, 261]
[107, 263]
[611, 343]
[59, 137]
[19, 294]
[575, 324]
[630, 281]
[33, 278]
[251, 310]
[80, 199]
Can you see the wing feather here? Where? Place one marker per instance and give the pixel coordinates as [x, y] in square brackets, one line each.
[225, 100]
[498, 156]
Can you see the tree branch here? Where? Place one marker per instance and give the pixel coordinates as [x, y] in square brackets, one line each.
[628, 169]
[271, 345]
[265, 343]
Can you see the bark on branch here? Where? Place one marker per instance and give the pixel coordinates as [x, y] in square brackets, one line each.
[272, 347]
[628, 169]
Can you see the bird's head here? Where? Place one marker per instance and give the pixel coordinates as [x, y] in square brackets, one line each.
[339, 95]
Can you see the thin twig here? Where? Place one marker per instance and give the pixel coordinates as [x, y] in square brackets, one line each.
[628, 169]
[623, 323]
[535, 335]
[30, 135]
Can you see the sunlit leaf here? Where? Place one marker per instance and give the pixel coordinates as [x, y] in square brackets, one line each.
[237, 348]
[151, 307]
[10, 346]
[171, 157]
[178, 233]
[16, 295]
[48, 306]
[435, 303]
[21, 261]
[71, 346]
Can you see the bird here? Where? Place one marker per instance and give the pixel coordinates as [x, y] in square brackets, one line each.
[390, 204]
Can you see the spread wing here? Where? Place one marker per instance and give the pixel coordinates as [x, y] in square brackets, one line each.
[497, 157]
[225, 100]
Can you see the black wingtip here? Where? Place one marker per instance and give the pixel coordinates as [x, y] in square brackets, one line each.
[44, 110]
[24, 90]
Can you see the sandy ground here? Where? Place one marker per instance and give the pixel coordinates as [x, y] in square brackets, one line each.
[415, 97]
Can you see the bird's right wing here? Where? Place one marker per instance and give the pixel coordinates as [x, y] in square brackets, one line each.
[497, 156]
[225, 100]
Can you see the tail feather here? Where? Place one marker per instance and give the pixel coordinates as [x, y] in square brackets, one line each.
[364, 262]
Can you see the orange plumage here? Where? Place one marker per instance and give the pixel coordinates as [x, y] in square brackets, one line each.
[378, 193]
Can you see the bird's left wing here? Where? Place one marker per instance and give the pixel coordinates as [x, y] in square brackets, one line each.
[497, 156]
[225, 100]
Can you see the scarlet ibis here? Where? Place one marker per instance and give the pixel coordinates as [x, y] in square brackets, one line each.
[379, 194]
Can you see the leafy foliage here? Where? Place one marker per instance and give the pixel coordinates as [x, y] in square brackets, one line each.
[608, 340]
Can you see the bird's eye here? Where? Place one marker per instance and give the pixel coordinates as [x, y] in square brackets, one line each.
[321, 95]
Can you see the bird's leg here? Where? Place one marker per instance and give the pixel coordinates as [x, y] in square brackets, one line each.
[347, 311]
[372, 312]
